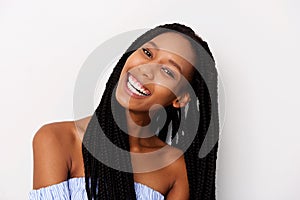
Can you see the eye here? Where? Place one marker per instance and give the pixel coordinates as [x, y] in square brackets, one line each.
[147, 52]
[168, 72]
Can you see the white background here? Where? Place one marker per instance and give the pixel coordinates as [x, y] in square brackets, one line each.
[43, 45]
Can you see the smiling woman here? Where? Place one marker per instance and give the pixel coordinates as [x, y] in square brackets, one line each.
[163, 87]
[155, 71]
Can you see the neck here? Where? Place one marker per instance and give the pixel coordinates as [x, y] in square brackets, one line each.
[138, 129]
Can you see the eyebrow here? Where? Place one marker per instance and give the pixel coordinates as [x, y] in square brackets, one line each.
[153, 44]
[170, 61]
[175, 64]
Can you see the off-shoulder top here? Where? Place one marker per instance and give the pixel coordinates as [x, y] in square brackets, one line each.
[74, 189]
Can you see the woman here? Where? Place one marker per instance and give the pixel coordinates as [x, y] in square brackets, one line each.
[165, 83]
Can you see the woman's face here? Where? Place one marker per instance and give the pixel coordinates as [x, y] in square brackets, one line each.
[156, 73]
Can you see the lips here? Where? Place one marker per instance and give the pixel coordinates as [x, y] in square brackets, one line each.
[136, 87]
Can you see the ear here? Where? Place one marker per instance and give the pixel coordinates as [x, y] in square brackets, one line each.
[181, 100]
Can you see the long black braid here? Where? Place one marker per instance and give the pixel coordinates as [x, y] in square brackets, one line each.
[103, 182]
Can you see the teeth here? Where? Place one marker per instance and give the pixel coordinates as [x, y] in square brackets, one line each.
[136, 87]
[136, 84]
[133, 90]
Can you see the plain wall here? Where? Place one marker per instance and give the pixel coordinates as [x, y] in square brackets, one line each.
[43, 45]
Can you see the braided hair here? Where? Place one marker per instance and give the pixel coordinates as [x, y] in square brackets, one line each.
[104, 182]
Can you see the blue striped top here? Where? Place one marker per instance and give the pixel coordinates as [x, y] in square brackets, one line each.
[74, 189]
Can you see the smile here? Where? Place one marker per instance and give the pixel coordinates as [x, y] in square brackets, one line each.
[136, 87]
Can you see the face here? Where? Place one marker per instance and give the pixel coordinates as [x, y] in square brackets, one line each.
[156, 73]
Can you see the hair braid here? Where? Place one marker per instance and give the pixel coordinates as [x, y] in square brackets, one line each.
[103, 182]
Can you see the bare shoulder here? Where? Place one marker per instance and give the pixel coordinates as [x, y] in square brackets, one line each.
[180, 187]
[57, 152]
[56, 133]
[52, 146]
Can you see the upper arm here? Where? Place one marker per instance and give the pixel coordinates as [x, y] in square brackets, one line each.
[180, 188]
[50, 161]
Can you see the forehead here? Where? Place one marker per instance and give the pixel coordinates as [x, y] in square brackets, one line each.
[175, 43]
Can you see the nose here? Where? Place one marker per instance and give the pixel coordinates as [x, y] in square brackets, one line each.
[147, 71]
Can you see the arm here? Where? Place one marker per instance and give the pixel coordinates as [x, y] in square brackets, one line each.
[180, 188]
[50, 159]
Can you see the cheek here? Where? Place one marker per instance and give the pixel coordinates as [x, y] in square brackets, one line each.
[127, 66]
[166, 95]
[133, 60]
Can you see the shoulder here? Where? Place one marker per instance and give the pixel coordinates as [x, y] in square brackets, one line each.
[62, 134]
[179, 187]
[56, 133]
[56, 136]
[52, 146]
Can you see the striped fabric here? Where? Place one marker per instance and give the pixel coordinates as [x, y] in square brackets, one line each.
[74, 189]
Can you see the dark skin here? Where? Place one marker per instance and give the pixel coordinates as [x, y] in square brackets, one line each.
[64, 158]
[57, 147]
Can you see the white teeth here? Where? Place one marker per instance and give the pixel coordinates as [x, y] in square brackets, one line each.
[133, 90]
[136, 87]
[135, 84]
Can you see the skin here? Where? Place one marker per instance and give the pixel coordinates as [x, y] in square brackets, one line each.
[57, 146]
